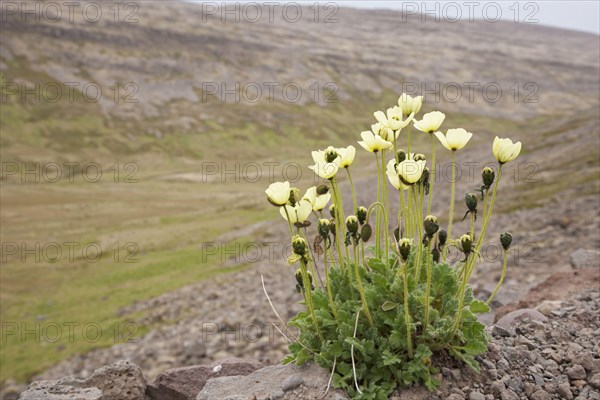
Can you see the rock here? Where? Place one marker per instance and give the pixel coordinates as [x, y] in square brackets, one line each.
[595, 381]
[541, 395]
[511, 320]
[455, 397]
[122, 380]
[546, 307]
[564, 390]
[185, 383]
[476, 396]
[576, 372]
[508, 394]
[291, 382]
[52, 390]
[268, 382]
[582, 258]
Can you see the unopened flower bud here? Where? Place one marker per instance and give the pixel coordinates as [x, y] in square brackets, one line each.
[404, 246]
[365, 233]
[471, 201]
[332, 226]
[352, 224]
[332, 210]
[431, 225]
[488, 175]
[442, 237]
[322, 189]
[419, 157]
[298, 276]
[425, 177]
[435, 254]
[505, 240]
[400, 156]
[294, 196]
[331, 154]
[324, 227]
[361, 214]
[299, 245]
[466, 243]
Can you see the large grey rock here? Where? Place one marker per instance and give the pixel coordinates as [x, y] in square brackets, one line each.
[273, 382]
[53, 390]
[582, 258]
[122, 380]
[510, 320]
[185, 383]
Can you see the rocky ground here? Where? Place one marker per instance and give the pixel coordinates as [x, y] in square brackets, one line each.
[551, 352]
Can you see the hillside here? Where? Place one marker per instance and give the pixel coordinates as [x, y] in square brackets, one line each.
[159, 137]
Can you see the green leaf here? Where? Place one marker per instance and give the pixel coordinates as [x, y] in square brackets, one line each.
[388, 306]
[479, 307]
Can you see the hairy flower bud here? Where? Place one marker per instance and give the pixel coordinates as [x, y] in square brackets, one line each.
[300, 280]
[324, 226]
[404, 246]
[505, 240]
[294, 196]
[435, 254]
[431, 225]
[361, 214]
[425, 177]
[488, 175]
[299, 245]
[419, 157]
[466, 243]
[442, 237]
[365, 233]
[400, 156]
[471, 201]
[322, 189]
[352, 224]
[332, 210]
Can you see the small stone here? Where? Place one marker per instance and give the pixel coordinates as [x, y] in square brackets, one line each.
[497, 387]
[508, 394]
[564, 390]
[291, 382]
[529, 388]
[476, 396]
[576, 372]
[455, 397]
[541, 395]
[595, 381]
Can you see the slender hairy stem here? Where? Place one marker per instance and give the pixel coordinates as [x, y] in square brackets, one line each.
[354, 204]
[327, 284]
[418, 229]
[461, 299]
[408, 143]
[377, 212]
[473, 226]
[339, 228]
[308, 294]
[427, 288]
[452, 194]
[352, 354]
[361, 290]
[402, 225]
[407, 312]
[431, 174]
[386, 212]
[287, 214]
[486, 220]
[501, 277]
[312, 262]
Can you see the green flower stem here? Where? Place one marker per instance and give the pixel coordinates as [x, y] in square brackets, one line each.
[452, 195]
[378, 213]
[287, 214]
[472, 231]
[461, 299]
[431, 174]
[409, 214]
[308, 295]
[408, 143]
[501, 277]
[486, 220]
[361, 290]
[407, 313]
[342, 217]
[329, 293]
[428, 286]
[402, 224]
[337, 227]
[314, 269]
[386, 208]
[420, 235]
[354, 204]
